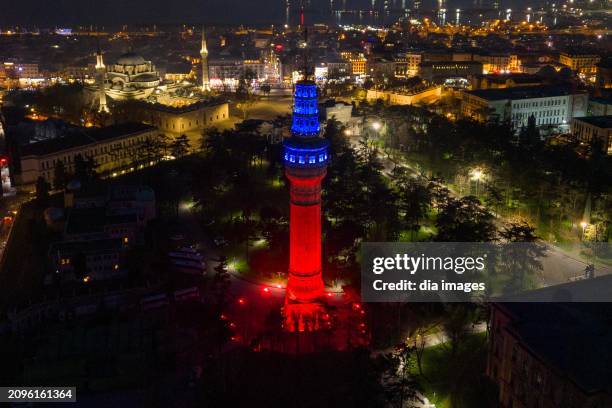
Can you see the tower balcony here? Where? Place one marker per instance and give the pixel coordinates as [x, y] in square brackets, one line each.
[305, 153]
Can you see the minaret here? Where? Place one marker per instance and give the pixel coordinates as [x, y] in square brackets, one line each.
[100, 74]
[204, 54]
[305, 157]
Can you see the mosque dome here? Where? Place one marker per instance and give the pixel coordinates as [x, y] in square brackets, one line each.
[130, 58]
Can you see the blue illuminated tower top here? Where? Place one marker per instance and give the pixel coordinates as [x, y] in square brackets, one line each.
[305, 110]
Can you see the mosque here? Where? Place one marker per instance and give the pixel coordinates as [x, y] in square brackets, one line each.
[132, 77]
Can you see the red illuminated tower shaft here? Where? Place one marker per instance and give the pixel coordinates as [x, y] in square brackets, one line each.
[305, 280]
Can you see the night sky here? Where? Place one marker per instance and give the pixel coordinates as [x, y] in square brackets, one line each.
[51, 13]
[70, 12]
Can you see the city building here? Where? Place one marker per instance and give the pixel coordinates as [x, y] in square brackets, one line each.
[580, 61]
[17, 74]
[496, 81]
[600, 106]
[332, 66]
[113, 148]
[179, 71]
[357, 61]
[550, 105]
[551, 355]
[380, 68]
[401, 66]
[19, 70]
[498, 63]
[439, 71]
[414, 60]
[603, 77]
[180, 118]
[341, 111]
[102, 222]
[226, 68]
[101, 258]
[421, 94]
[589, 128]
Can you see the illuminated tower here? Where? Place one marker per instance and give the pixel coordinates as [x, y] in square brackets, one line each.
[100, 73]
[204, 54]
[306, 158]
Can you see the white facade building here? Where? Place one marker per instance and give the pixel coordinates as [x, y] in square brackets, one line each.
[549, 105]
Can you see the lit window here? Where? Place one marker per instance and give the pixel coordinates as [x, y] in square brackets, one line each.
[321, 157]
[301, 159]
[292, 159]
[312, 159]
[286, 156]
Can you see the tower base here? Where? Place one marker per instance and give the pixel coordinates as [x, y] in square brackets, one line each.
[304, 317]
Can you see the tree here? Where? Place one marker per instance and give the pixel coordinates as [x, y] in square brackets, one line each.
[150, 149]
[493, 197]
[180, 146]
[244, 93]
[42, 190]
[84, 168]
[220, 284]
[415, 199]
[59, 176]
[210, 139]
[465, 220]
[399, 385]
[79, 265]
[457, 322]
[265, 89]
[521, 255]
[529, 136]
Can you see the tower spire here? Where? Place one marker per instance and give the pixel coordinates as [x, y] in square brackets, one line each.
[305, 68]
[204, 55]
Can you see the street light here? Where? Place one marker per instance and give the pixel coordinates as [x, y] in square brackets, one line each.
[476, 175]
[376, 126]
[584, 225]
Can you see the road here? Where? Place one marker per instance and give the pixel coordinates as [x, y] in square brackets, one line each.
[558, 265]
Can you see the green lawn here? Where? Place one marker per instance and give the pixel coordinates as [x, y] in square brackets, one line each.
[439, 377]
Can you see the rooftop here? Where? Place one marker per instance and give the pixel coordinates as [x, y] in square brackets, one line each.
[516, 77]
[573, 338]
[575, 51]
[82, 137]
[93, 220]
[183, 108]
[130, 58]
[94, 246]
[523, 92]
[604, 122]
[450, 62]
